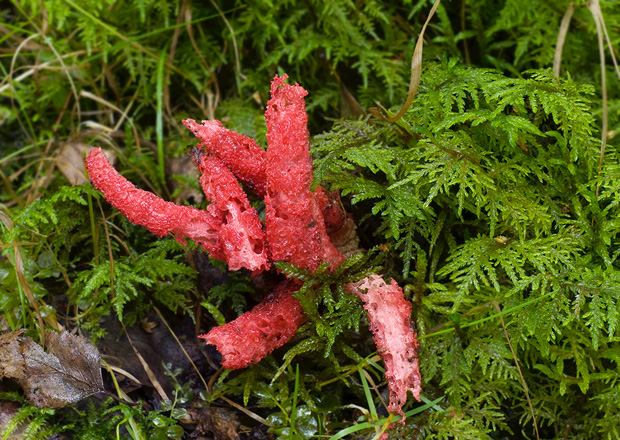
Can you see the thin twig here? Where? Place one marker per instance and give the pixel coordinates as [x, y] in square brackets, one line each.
[234, 40]
[514, 356]
[557, 57]
[595, 9]
[463, 28]
[181, 345]
[146, 367]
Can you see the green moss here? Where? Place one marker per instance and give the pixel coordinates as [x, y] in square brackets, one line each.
[485, 201]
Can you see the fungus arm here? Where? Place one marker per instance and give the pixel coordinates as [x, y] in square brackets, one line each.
[296, 230]
[256, 333]
[210, 228]
[241, 233]
[146, 209]
[241, 154]
[389, 314]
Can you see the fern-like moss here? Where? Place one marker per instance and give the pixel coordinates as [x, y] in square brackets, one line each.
[492, 181]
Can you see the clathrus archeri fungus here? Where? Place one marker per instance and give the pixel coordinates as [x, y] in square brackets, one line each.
[303, 227]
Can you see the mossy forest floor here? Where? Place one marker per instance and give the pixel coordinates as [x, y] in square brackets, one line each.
[494, 201]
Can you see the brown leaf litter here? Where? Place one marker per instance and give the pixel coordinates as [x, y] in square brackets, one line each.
[68, 370]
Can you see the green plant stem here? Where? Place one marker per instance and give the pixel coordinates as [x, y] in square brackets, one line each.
[159, 122]
[488, 318]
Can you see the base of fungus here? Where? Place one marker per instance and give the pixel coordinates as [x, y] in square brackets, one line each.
[303, 227]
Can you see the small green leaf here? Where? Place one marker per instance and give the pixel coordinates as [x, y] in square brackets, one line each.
[217, 315]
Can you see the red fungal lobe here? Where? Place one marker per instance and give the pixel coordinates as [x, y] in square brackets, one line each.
[241, 154]
[389, 314]
[295, 225]
[229, 229]
[146, 209]
[241, 234]
[248, 162]
[256, 333]
[331, 208]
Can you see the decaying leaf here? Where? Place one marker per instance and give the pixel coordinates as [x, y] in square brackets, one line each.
[8, 410]
[416, 73]
[70, 161]
[68, 372]
[217, 421]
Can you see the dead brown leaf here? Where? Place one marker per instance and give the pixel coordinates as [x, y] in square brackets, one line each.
[147, 325]
[69, 371]
[70, 161]
[184, 166]
[416, 73]
[8, 410]
[219, 422]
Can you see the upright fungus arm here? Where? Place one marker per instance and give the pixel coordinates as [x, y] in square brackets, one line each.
[295, 225]
[241, 237]
[241, 154]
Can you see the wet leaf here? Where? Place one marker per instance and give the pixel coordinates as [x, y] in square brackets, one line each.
[70, 161]
[67, 372]
[221, 423]
[416, 73]
[305, 423]
[185, 171]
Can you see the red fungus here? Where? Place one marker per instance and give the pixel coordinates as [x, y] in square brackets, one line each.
[302, 227]
[146, 209]
[389, 314]
[256, 333]
[295, 226]
[241, 154]
[241, 236]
